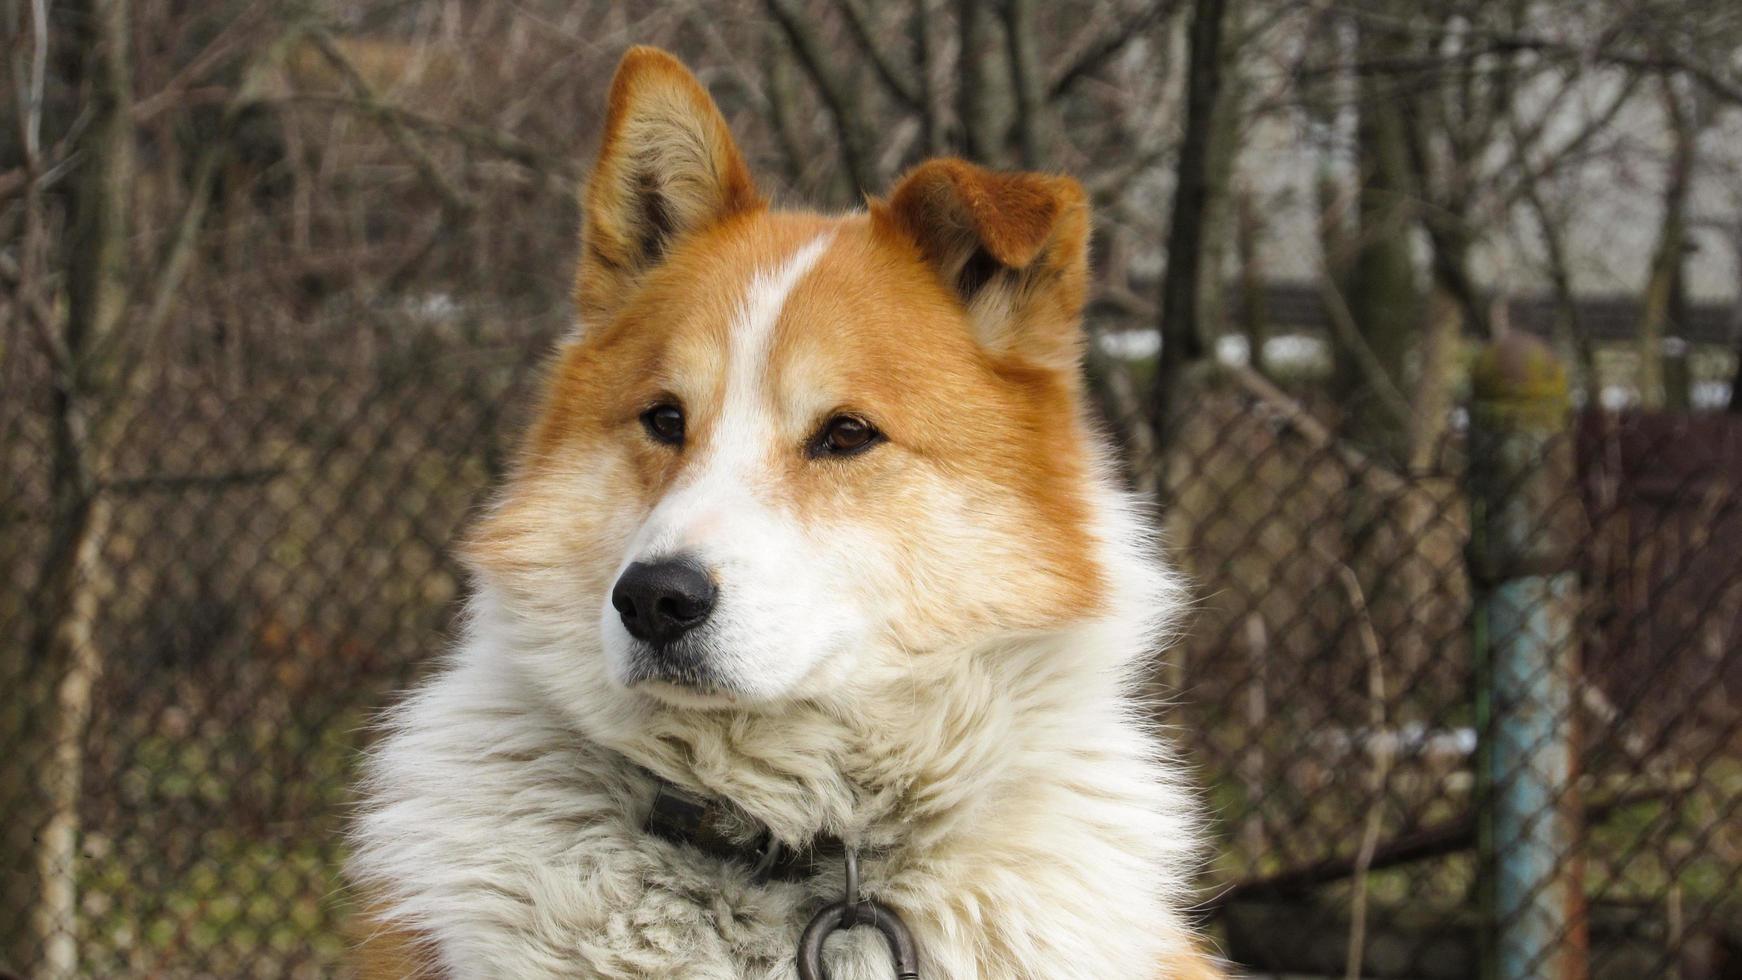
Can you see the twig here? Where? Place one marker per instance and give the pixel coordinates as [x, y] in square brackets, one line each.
[173, 92]
[452, 200]
[1381, 771]
[837, 96]
[858, 21]
[1384, 479]
[30, 88]
[1348, 333]
[499, 143]
[1723, 88]
[32, 307]
[1104, 50]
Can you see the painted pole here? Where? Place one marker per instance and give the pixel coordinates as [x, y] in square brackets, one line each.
[1525, 526]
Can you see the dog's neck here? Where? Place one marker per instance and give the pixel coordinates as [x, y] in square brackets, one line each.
[1027, 782]
[918, 761]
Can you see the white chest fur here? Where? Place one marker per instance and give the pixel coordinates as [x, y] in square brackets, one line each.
[1048, 841]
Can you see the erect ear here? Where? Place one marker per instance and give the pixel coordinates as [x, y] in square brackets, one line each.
[667, 167]
[1012, 246]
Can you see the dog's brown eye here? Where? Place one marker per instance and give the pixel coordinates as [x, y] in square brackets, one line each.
[845, 435]
[664, 423]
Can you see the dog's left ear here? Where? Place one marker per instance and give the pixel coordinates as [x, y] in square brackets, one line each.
[667, 166]
[1013, 247]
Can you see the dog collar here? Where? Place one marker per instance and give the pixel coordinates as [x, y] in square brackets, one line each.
[716, 828]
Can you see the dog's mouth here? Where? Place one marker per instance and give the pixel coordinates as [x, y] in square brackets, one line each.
[680, 674]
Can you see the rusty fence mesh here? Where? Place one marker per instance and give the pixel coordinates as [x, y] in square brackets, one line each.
[273, 559]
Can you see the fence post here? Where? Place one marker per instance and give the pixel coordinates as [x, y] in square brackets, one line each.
[1524, 535]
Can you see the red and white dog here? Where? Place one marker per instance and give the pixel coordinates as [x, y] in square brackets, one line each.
[814, 527]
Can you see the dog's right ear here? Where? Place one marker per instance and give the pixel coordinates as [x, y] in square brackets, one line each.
[1013, 247]
[667, 167]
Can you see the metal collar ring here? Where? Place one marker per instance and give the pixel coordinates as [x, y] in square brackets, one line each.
[841, 915]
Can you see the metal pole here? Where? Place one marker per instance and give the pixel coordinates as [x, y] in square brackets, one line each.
[1525, 526]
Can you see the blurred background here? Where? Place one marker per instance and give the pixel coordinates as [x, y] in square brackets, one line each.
[1419, 321]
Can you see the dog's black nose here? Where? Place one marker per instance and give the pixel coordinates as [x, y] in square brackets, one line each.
[660, 601]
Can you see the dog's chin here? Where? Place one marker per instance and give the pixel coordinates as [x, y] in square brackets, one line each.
[699, 676]
[683, 678]
[689, 696]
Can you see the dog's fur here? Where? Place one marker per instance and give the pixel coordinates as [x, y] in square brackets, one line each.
[927, 649]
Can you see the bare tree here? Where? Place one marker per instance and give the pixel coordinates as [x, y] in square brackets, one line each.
[261, 177]
[1382, 289]
[1182, 339]
[1665, 303]
[64, 659]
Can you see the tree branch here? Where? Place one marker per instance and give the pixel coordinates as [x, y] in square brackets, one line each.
[1383, 478]
[1026, 79]
[1104, 50]
[453, 201]
[838, 98]
[905, 90]
[493, 141]
[1348, 333]
[1724, 88]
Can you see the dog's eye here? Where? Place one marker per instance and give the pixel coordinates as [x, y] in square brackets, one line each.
[664, 423]
[845, 435]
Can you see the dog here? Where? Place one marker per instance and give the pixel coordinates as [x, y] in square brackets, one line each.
[813, 551]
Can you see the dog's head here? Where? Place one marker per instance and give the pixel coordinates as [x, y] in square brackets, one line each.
[785, 449]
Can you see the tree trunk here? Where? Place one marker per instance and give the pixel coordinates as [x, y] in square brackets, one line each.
[1736, 378]
[64, 662]
[839, 93]
[1678, 376]
[1661, 285]
[1219, 233]
[984, 103]
[1384, 407]
[932, 107]
[783, 113]
[1570, 336]
[1181, 339]
[1384, 296]
[1028, 83]
[1735, 406]
[1248, 231]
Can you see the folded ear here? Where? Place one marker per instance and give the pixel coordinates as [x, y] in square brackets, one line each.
[1012, 246]
[667, 167]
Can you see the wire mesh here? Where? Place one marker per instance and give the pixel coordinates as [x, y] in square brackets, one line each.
[264, 553]
[277, 560]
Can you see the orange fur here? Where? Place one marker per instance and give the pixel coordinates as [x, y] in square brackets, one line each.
[382, 953]
[667, 163]
[1034, 226]
[1195, 968]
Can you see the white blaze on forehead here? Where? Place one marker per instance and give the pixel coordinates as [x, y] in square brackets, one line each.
[713, 503]
[743, 422]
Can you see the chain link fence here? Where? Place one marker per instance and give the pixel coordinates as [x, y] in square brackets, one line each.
[276, 561]
[1341, 688]
[1415, 759]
